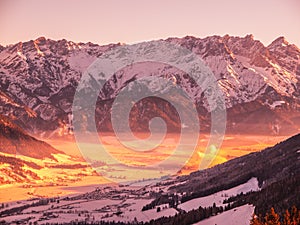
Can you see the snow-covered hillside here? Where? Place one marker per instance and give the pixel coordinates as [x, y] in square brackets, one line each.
[238, 216]
[219, 197]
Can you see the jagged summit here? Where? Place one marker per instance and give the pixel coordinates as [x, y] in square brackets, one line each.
[41, 39]
[249, 36]
[280, 41]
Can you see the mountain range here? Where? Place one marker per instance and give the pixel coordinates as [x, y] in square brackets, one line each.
[260, 84]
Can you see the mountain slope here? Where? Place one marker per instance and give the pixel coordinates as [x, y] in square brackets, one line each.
[14, 140]
[28, 161]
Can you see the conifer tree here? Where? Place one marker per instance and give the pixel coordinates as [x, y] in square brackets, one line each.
[295, 217]
[287, 218]
[272, 218]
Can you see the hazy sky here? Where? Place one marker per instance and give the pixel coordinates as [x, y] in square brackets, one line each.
[132, 21]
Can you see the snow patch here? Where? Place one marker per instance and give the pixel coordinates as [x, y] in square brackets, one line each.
[275, 104]
[21, 55]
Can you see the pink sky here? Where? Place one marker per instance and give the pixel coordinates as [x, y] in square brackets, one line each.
[132, 21]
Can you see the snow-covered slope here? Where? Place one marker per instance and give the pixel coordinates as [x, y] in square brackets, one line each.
[238, 216]
[219, 197]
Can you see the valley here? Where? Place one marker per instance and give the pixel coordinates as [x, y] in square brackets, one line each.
[231, 188]
[63, 181]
